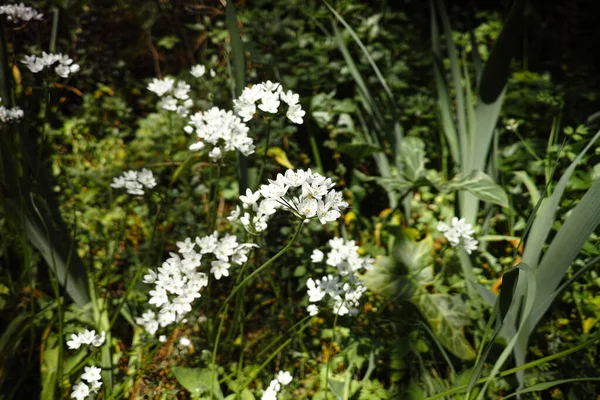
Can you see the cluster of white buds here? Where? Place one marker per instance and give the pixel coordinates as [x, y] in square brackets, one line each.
[459, 233]
[86, 338]
[94, 380]
[134, 181]
[177, 283]
[344, 289]
[20, 12]
[220, 129]
[65, 66]
[9, 114]
[174, 95]
[268, 96]
[283, 378]
[305, 194]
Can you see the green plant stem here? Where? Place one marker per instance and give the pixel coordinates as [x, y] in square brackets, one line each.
[331, 347]
[213, 199]
[531, 364]
[214, 354]
[139, 272]
[266, 153]
[237, 287]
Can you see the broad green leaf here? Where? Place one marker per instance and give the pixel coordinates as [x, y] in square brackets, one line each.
[480, 185]
[446, 315]
[412, 156]
[416, 257]
[389, 279]
[358, 151]
[198, 380]
[534, 193]
[49, 368]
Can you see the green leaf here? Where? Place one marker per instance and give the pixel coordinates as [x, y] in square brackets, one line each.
[446, 316]
[198, 380]
[168, 42]
[415, 256]
[547, 385]
[49, 368]
[412, 156]
[239, 67]
[481, 185]
[181, 169]
[358, 151]
[388, 278]
[245, 394]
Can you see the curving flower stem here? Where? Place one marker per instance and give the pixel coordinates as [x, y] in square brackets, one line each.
[265, 154]
[225, 305]
[332, 341]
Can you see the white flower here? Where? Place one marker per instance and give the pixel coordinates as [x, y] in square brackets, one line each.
[459, 234]
[295, 114]
[186, 246]
[312, 310]
[219, 269]
[198, 70]
[74, 343]
[99, 339]
[250, 199]
[284, 377]
[64, 69]
[315, 292]
[289, 98]
[269, 102]
[16, 12]
[80, 391]
[9, 114]
[184, 341]
[91, 374]
[146, 178]
[162, 338]
[317, 256]
[161, 86]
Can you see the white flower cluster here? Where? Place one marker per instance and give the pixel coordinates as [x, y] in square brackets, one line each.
[459, 233]
[177, 283]
[313, 198]
[63, 69]
[93, 378]
[346, 289]
[199, 70]
[270, 95]
[221, 129]
[174, 95]
[86, 338]
[9, 114]
[283, 378]
[134, 181]
[20, 12]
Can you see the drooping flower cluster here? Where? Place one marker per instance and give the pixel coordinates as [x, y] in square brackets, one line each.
[220, 129]
[9, 114]
[65, 66]
[459, 233]
[174, 95]
[20, 12]
[283, 378]
[86, 338]
[177, 283]
[92, 376]
[305, 194]
[134, 181]
[267, 96]
[344, 289]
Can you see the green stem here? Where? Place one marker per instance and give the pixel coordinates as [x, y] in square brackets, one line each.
[213, 199]
[214, 354]
[265, 154]
[331, 347]
[237, 287]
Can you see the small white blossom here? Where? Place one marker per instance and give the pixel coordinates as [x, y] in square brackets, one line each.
[267, 97]
[198, 71]
[134, 182]
[19, 12]
[80, 391]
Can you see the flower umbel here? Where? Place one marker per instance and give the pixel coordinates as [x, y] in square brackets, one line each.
[305, 194]
[459, 234]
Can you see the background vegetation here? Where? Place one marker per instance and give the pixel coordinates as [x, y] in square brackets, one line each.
[418, 111]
